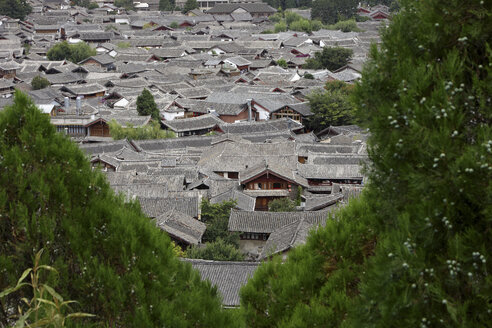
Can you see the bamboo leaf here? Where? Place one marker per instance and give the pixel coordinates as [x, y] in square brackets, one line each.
[53, 293]
[22, 319]
[47, 267]
[42, 300]
[80, 315]
[24, 275]
[12, 289]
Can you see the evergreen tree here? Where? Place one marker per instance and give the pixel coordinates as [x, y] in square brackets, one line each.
[147, 106]
[166, 5]
[331, 106]
[331, 58]
[414, 250]
[190, 5]
[39, 82]
[17, 9]
[331, 11]
[108, 255]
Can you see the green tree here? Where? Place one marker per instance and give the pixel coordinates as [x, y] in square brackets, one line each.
[147, 106]
[17, 9]
[331, 106]
[127, 4]
[92, 5]
[216, 217]
[39, 82]
[331, 11]
[349, 25]
[150, 131]
[166, 5]
[280, 27]
[81, 51]
[415, 248]
[59, 51]
[174, 25]
[218, 250]
[190, 5]
[282, 63]
[108, 255]
[73, 52]
[281, 205]
[331, 58]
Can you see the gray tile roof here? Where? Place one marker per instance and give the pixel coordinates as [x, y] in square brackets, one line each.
[317, 202]
[243, 201]
[311, 171]
[163, 145]
[268, 222]
[229, 277]
[181, 226]
[153, 207]
[228, 8]
[207, 121]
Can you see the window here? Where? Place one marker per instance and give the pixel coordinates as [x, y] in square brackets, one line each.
[277, 185]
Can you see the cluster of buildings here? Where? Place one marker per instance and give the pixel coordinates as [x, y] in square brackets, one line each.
[238, 116]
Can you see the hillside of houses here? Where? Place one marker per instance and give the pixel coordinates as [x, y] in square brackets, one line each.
[238, 116]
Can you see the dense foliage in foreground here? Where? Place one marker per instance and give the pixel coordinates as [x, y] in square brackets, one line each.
[414, 251]
[109, 256]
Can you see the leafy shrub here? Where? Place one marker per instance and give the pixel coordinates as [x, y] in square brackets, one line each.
[217, 250]
[39, 82]
[150, 131]
[281, 205]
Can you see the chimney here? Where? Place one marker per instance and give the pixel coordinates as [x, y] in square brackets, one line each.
[249, 110]
[67, 104]
[78, 104]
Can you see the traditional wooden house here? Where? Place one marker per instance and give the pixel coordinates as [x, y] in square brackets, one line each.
[267, 182]
[181, 228]
[86, 90]
[8, 69]
[297, 112]
[104, 61]
[194, 126]
[81, 126]
[256, 228]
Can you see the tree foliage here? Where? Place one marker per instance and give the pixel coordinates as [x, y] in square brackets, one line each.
[415, 248]
[282, 63]
[294, 22]
[331, 11]
[331, 106]
[109, 256]
[147, 106]
[283, 204]
[17, 9]
[166, 5]
[216, 217]
[73, 52]
[190, 5]
[331, 58]
[127, 4]
[39, 82]
[218, 250]
[150, 131]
